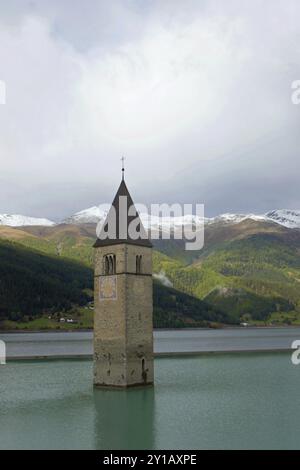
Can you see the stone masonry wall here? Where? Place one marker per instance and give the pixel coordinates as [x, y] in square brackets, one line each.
[123, 330]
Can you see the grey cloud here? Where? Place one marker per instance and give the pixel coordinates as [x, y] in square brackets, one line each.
[198, 99]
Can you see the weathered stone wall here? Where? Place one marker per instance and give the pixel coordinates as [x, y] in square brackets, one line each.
[123, 330]
[139, 329]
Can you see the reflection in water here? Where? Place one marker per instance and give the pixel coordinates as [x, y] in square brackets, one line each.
[124, 418]
[230, 401]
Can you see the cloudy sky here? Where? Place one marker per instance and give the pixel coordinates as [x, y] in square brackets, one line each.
[195, 94]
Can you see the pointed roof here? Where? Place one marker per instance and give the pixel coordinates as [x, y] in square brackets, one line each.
[119, 211]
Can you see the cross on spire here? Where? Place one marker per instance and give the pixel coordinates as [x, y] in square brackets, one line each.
[123, 169]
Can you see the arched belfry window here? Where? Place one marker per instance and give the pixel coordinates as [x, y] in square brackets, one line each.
[109, 264]
[138, 261]
[105, 265]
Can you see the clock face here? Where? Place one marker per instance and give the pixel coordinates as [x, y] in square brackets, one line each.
[108, 288]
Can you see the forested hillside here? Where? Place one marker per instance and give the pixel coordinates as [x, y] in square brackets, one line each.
[35, 285]
[32, 283]
[251, 278]
[248, 271]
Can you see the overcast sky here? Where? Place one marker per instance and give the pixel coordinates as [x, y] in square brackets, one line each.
[195, 94]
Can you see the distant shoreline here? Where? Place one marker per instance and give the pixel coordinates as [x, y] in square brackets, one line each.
[184, 342]
[156, 354]
[229, 327]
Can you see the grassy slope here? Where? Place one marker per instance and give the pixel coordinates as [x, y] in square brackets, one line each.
[37, 289]
[247, 270]
[32, 282]
[254, 276]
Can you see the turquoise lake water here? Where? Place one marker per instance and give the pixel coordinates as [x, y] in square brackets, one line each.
[248, 400]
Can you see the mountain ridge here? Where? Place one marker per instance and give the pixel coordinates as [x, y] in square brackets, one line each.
[18, 220]
[249, 271]
[286, 217]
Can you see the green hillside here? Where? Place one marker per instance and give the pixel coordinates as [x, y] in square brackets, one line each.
[176, 309]
[256, 277]
[36, 290]
[32, 283]
[246, 272]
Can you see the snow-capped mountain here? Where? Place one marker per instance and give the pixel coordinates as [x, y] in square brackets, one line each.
[236, 218]
[16, 220]
[93, 215]
[286, 217]
[163, 223]
[97, 214]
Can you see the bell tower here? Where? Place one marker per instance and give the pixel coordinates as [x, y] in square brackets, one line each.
[123, 327]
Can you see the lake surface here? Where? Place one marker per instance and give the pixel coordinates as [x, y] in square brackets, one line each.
[165, 341]
[219, 401]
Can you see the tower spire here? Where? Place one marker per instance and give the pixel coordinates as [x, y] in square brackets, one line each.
[123, 169]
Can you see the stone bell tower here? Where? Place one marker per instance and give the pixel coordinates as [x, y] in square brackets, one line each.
[123, 329]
